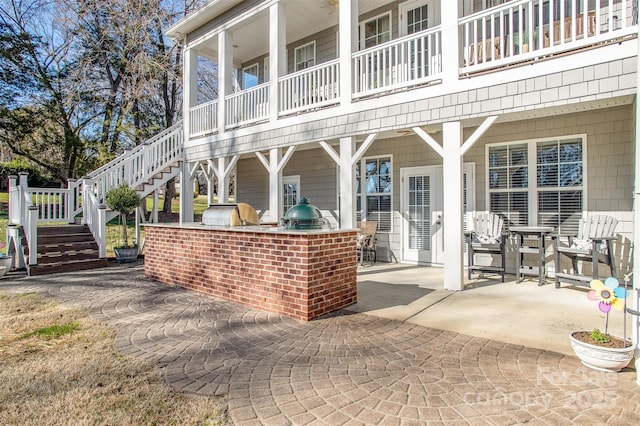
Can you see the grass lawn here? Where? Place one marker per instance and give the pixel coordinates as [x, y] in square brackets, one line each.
[60, 367]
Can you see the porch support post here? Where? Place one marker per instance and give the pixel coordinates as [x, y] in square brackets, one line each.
[224, 169]
[186, 194]
[223, 181]
[154, 212]
[636, 224]
[347, 183]
[225, 72]
[190, 82]
[450, 50]
[348, 26]
[452, 206]
[277, 54]
[275, 184]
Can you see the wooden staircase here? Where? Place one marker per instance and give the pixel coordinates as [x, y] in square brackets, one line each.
[66, 248]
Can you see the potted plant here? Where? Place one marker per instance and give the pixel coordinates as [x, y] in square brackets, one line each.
[124, 199]
[6, 262]
[597, 349]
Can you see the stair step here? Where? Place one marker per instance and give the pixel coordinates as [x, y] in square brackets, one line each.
[63, 247]
[63, 230]
[67, 256]
[54, 268]
[63, 238]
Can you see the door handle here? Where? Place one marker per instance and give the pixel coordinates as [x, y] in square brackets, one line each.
[439, 220]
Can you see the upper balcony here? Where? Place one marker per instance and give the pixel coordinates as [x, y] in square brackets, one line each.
[399, 47]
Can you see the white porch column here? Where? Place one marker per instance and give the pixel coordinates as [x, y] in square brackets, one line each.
[277, 54]
[450, 45]
[186, 194]
[348, 27]
[223, 181]
[225, 74]
[347, 183]
[190, 82]
[636, 224]
[275, 185]
[452, 206]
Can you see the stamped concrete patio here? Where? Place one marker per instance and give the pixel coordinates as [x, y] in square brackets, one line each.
[387, 367]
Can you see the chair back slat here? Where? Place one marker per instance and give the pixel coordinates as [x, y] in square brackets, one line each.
[486, 223]
[597, 226]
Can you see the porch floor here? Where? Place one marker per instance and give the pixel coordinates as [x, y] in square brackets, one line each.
[519, 313]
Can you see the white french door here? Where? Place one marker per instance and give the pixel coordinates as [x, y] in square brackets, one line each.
[422, 214]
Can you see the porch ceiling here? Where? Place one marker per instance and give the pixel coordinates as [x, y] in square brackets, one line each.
[251, 37]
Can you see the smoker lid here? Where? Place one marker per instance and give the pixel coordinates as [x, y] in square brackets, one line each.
[303, 211]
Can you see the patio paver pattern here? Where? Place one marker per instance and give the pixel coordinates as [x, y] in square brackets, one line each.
[342, 369]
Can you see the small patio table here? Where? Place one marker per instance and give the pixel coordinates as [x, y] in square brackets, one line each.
[537, 233]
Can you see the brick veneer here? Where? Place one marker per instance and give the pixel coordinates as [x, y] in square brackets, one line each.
[298, 274]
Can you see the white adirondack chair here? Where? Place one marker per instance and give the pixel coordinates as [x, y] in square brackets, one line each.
[485, 235]
[592, 245]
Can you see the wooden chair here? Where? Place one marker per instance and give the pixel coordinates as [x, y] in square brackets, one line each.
[366, 241]
[592, 245]
[485, 235]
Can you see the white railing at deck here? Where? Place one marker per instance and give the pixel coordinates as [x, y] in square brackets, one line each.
[313, 87]
[527, 29]
[410, 60]
[203, 119]
[247, 106]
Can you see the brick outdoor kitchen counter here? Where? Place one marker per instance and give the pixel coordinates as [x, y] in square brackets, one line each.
[301, 274]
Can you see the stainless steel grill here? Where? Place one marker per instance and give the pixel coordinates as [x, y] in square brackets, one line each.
[239, 214]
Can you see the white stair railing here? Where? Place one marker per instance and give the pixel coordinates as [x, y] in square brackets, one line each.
[30, 206]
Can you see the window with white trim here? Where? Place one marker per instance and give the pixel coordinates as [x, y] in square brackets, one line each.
[375, 31]
[374, 191]
[305, 56]
[538, 182]
[250, 76]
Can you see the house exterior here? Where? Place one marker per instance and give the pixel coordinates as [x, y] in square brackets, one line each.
[412, 113]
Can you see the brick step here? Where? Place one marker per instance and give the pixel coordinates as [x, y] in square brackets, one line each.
[54, 268]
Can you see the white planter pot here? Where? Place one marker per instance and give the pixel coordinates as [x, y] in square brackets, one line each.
[6, 263]
[602, 358]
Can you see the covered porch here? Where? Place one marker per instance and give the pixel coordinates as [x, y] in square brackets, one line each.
[519, 313]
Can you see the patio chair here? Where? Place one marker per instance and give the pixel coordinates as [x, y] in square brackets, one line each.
[591, 245]
[485, 235]
[366, 241]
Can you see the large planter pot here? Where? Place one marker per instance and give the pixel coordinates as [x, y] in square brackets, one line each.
[600, 357]
[126, 254]
[6, 263]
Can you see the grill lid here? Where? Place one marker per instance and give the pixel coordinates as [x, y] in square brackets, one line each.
[303, 211]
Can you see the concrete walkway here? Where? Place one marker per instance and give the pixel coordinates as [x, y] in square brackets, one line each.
[349, 368]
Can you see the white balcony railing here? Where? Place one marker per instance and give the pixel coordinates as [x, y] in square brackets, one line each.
[526, 29]
[203, 119]
[311, 88]
[410, 60]
[248, 106]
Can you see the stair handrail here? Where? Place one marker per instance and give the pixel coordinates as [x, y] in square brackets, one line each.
[135, 166]
[127, 153]
[94, 213]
